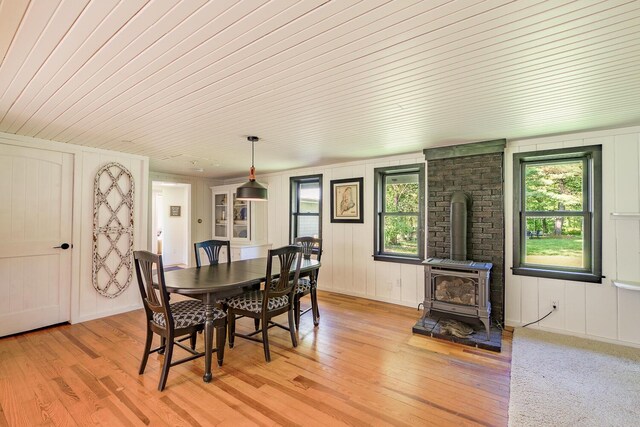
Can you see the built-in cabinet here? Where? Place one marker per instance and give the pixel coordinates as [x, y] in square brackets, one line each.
[232, 218]
[243, 223]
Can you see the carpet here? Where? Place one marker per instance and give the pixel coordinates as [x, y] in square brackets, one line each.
[558, 380]
[173, 267]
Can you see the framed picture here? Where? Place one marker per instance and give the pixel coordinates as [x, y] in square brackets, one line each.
[347, 200]
[174, 210]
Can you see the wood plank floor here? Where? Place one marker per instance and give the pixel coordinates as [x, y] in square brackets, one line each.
[361, 366]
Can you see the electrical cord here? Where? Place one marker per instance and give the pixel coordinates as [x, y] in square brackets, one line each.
[540, 319]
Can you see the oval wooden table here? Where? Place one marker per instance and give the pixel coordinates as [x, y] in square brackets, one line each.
[213, 282]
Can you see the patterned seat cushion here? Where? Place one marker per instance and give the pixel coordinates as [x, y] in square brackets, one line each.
[252, 301]
[304, 285]
[187, 313]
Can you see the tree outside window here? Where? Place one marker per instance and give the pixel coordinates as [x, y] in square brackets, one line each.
[399, 204]
[557, 208]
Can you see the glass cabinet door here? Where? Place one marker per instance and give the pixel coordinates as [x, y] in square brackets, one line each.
[241, 217]
[221, 213]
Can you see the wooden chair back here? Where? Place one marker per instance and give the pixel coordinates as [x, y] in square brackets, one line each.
[154, 300]
[289, 258]
[310, 246]
[212, 249]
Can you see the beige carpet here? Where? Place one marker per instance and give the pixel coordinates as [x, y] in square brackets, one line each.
[557, 380]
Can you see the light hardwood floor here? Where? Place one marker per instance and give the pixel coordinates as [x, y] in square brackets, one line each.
[361, 366]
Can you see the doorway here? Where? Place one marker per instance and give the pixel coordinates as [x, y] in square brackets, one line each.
[170, 222]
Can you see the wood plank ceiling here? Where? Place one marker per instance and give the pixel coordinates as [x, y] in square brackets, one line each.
[319, 81]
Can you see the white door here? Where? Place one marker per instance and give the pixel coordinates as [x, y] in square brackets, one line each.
[35, 217]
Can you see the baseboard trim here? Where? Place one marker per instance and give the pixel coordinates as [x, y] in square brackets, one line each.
[412, 304]
[94, 316]
[575, 334]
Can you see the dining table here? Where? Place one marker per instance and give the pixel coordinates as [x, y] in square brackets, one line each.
[211, 283]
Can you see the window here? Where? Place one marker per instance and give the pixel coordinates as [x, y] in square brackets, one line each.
[306, 206]
[558, 214]
[399, 207]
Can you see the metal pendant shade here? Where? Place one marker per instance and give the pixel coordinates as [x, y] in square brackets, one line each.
[252, 190]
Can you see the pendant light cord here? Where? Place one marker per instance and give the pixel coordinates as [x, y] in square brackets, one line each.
[252, 170]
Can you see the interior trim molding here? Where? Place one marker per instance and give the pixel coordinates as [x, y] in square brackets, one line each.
[463, 150]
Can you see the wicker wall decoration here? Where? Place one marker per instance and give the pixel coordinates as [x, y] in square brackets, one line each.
[112, 230]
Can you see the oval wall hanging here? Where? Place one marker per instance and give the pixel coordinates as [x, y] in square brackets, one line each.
[112, 229]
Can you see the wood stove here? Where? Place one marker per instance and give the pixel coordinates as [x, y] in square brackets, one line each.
[457, 287]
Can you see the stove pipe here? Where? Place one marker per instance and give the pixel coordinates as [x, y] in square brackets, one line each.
[458, 224]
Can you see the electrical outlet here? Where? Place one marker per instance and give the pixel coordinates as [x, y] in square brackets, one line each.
[555, 304]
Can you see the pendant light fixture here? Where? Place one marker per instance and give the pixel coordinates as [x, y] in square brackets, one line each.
[252, 190]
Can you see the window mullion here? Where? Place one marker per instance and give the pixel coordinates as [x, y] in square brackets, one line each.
[553, 213]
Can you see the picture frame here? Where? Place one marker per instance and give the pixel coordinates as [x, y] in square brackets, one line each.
[347, 200]
[175, 210]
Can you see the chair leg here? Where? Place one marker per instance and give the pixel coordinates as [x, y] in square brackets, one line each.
[314, 307]
[265, 340]
[192, 340]
[296, 309]
[167, 363]
[292, 330]
[231, 317]
[163, 343]
[147, 347]
[221, 335]
[256, 323]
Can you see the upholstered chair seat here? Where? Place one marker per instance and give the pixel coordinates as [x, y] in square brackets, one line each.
[304, 286]
[252, 301]
[187, 313]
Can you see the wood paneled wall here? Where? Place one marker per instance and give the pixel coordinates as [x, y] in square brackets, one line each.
[86, 303]
[89, 304]
[600, 311]
[347, 263]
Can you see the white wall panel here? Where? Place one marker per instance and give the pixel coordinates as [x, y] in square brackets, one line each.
[629, 316]
[513, 297]
[574, 307]
[628, 250]
[609, 251]
[337, 252]
[626, 173]
[408, 282]
[347, 263]
[86, 303]
[530, 301]
[91, 304]
[600, 311]
[548, 291]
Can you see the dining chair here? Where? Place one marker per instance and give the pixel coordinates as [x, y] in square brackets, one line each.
[171, 320]
[309, 283]
[276, 298]
[212, 249]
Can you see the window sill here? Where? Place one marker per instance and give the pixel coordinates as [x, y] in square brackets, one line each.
[556, 274]
[397, 259]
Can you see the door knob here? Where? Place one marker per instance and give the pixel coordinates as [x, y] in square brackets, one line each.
[63, 246]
